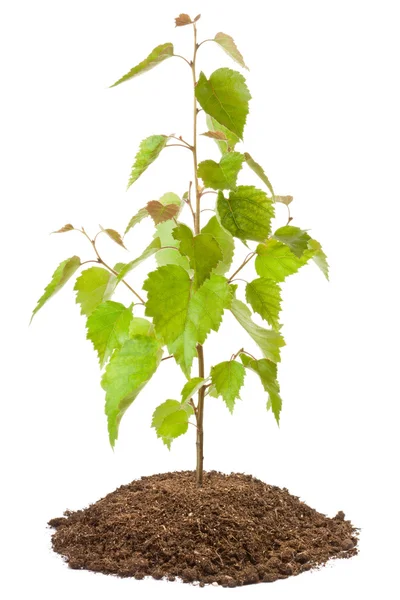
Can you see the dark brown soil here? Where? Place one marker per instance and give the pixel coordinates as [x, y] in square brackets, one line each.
[235, 530]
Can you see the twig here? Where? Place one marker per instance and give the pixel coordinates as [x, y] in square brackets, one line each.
[244, 263]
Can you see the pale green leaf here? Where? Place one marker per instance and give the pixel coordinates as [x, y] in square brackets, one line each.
[227, 43]
[276, 261]
[267, 372]
[231, 139]
[202, 250]
[225, 242]
[222, 175]
[170, 420]
[191, 387]
[161, 212]
[141, 326]
[264, 297]
[184, 318]
[247, 213]
[225, 97]
[128, 371]
[268, 340]
[108, 328]
[123, 269]
[140, 215]
[258, 170]
[149, 150]
[297, 239]
[61, 275]
[164, 232]
[94, 286]
[227, 379]
[155, 57]
[315, 252]
[170, 256]
[284, 199]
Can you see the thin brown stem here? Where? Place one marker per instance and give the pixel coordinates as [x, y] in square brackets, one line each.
[208, 192]
[200, 353]
[204, 41]
[244, 263]
[183, 58]
[101, 261]
[178, 146]
[167, 357]
[180, 139]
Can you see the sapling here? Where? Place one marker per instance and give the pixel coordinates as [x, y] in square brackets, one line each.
[195, 283]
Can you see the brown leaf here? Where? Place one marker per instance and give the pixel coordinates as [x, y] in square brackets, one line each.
[160, 212]
[196, 18]
[67, 227]
[115, 236]
[284, 199]
[182, 20]
[216, 135]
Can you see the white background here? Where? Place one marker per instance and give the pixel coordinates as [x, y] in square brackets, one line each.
[325, 125]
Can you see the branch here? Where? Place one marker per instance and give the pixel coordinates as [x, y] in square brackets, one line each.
[183, 58]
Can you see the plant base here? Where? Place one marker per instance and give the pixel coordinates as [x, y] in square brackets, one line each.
[235, 530]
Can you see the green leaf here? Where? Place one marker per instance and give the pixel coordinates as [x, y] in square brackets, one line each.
[128, 371]
[155, 57]
[227, 43]
[64, 271]
[231, 138]
[222, 175]
[225, 242]
[247, 213]
[94, 286]
[149, 150]
[190, 388]
[140, 215]
[258, 170]
[297, 239]
[267, 372]
[227, 378]
[123, 269]
[268, 340]
[170, 420]
[276, 261]
[184, 318]
[161, 212]
[225, 97]
[318, 256]
[114, 236]
[108, 328]
[202, 250]
[264, 297]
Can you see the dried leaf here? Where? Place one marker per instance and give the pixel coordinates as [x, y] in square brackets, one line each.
[67, 227]
[182, 20]
[196, 18]
[160, 212]
[215, 135]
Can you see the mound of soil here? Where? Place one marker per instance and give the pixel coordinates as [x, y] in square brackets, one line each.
[235, 530]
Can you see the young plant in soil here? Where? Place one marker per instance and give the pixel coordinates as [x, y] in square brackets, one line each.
[195, 283]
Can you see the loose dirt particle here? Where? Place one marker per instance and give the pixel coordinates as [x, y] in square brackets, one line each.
[236, 530]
